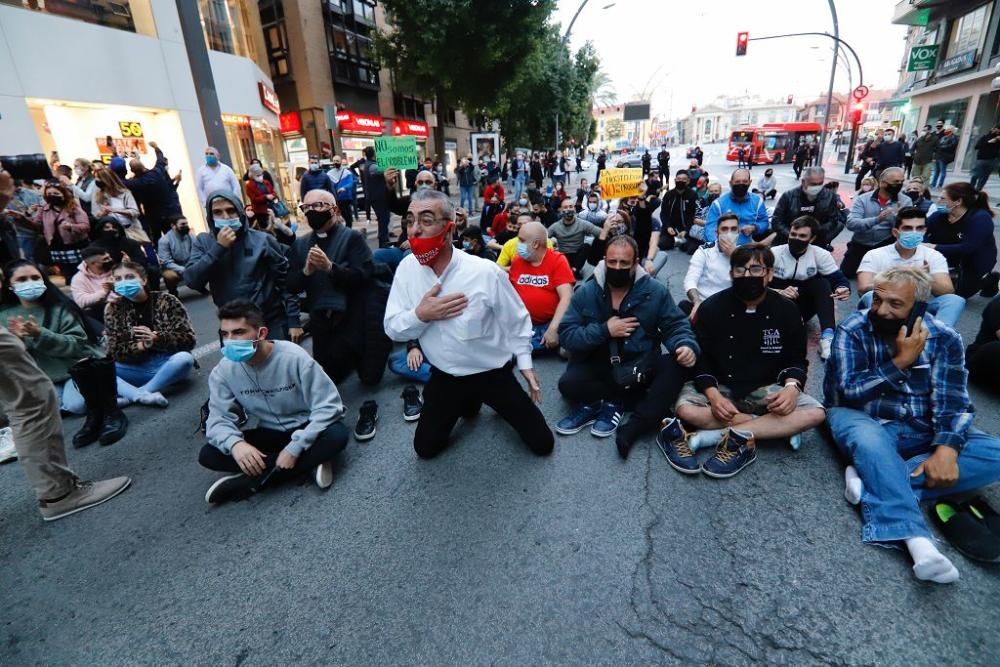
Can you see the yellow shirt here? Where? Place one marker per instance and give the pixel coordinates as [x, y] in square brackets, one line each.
[509, 251]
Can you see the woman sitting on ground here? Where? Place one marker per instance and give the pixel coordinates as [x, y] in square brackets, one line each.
[149, 334]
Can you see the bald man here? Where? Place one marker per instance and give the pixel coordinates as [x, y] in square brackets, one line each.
[544, 280]
[155, 192]
[748, 206]
[332, 265]
[214, 176]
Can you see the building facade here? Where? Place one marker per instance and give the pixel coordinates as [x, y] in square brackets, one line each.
[716, 121]
[134, 84]
[958, 89]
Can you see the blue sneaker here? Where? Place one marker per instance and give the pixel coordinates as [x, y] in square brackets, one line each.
[735, 451]
[582, 417]
[673, 441]
[607, 420]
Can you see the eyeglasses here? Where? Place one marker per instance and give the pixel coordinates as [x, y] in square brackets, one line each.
[318, 206]
[755, 271]
[427, 220]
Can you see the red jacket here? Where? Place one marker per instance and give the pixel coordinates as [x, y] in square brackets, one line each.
[258, 193]
[490, 189]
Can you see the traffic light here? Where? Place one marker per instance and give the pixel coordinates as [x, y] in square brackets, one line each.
[790, 99]
[856, 111]
[741, 43]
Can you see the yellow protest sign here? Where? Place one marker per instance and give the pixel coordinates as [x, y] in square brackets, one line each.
[616, 183]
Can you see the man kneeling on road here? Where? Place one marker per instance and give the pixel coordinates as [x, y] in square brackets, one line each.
[899, 408]
[544, 281]
[614, 331]
[300, 414]
[750, 378]
[469, 322]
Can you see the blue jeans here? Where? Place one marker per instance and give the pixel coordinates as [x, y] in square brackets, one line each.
[157, 372]
[937, 178]
[946, 308]
[397, 364]
[518, 186]
[885, 455]
[71, 400]
[467, 198]
[27, 246]
[391, 256]
[537, 331]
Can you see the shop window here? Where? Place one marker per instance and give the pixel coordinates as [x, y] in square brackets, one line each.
[968, 31]
[130, 15]
[224, 26]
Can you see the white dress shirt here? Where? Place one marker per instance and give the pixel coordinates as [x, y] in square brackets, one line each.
[208, 180]
[708, 271]
[494, 325]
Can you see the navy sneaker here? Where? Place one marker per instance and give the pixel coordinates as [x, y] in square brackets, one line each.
[607, 420]
[673, 441]
[735, 451]
[582, 417]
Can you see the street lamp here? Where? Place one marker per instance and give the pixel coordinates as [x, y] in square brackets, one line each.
[565, 38]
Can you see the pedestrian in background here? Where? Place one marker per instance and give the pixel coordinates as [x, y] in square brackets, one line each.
[944, 155]
[987, 158]
[214, 175]
[922, 152]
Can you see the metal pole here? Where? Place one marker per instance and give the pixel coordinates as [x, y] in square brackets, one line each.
[833, 76]
[850, 149]
[565, 38]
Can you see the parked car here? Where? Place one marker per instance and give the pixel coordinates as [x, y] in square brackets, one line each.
[631, 160]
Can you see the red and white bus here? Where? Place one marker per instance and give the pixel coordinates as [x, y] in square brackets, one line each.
[772, 143]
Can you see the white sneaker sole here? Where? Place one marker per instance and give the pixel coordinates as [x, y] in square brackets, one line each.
[7, 458]
[217, 484]
[411, 418]
[87, 507]
[324, 475]
[366, 438]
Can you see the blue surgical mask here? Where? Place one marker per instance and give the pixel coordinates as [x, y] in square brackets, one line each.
[30, 291]
[235, 224]
[128, 288]
[239, 350]
[211, 160]
[523, 251]
[941, 208]
[467, 246]
[911, 240]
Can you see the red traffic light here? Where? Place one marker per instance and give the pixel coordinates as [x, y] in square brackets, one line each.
[857, 109]
[741, 43]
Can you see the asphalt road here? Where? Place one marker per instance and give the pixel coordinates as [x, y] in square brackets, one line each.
[486, 555]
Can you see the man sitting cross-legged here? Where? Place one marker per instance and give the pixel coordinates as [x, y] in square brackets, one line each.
[899, 409]
[750, 377]
[301, 417]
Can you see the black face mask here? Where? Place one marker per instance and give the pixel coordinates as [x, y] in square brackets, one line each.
[913, 194]
[749, 288]
[318, 219]
[740, 190]
[55, 200]
[568, 215]
[619, 278]
[712, 196]
[183, 231]
[681, 185]
[109, 234]
[893, 189]
[885, 327]
[798, 247]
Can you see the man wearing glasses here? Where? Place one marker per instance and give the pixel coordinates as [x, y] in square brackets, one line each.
[469, 322]
[750, 377]
[237, 262]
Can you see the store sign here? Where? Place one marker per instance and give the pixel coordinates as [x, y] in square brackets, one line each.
[231, 119]
[413, 128]
[268, 97]
[355, 122]
[290, 122]
[957, 63]
[923, 58]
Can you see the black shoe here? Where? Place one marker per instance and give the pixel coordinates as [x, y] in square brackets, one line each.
[230, 487]
[84, 375]
[969, 536]
[367, 416]
[113, 428]
[412, 405]
[91, 431]
[991, 285]
[626, 436]
[115, 423]
[982, 512]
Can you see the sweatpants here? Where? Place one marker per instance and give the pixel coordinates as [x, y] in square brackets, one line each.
[28, 397]
[448, 397]
[588, 382]
[814, 299]
[329, 443]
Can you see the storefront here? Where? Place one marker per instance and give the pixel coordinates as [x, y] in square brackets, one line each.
[249, 138]
[357, 132]
[966, 105]
[413, 128]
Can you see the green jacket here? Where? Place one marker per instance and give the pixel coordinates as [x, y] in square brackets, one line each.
[60, 345]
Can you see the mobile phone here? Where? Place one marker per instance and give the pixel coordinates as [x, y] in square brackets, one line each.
[28, 167]
[919, 310]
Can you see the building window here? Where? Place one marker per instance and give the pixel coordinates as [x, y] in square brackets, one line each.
[452, 117]
[272, 19]
[130, 15]
[225, 27]
[405, 106]
[968, 31]
[364, 11]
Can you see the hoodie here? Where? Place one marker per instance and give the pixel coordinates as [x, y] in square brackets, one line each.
[253, 268]
[119, 247]
[88, 288]
[584, 329]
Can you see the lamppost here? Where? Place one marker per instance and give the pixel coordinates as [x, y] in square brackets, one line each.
[565, 38]
[833, 75]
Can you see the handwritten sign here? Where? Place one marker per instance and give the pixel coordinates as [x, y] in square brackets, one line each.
[397, 152]
[617, 183]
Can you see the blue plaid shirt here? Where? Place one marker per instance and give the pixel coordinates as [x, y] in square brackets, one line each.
[932, 392]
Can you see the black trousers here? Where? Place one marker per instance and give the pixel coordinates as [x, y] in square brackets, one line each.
[863, 171]
[382, 213]
[854, 254]
[814, 299]
[326, 447]
[448, 397]
[589, 382]
[984, 366]
[579, 258]
[797, 167]
[333, 345]
[346, 207]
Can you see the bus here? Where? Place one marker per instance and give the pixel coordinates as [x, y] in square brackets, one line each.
[772, 143]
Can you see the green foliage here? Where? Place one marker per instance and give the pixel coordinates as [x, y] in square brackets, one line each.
[501, 60]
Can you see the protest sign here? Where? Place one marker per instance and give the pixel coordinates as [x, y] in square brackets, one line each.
[396, 152]
[616, 183]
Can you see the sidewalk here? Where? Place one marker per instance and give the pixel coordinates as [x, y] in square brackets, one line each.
[835, 170]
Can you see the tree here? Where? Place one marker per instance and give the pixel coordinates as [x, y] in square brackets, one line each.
[461, 53]
[603, 94]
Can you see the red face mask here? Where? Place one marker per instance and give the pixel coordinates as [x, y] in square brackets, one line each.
[427, 249]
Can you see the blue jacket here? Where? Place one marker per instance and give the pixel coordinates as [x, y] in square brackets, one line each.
[315, 180]
[344, 188]
[584, 329]
[751, 211]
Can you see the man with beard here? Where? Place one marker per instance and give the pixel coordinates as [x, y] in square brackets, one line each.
[811, 199]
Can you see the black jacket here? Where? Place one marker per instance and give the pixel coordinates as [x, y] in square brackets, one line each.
[154, 191]
[793, 203]
[352, 268]
[985, 150]
[678, 208]
[890, 154]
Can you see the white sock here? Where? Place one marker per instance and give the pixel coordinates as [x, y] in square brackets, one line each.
[708, 438]
[853, 486]
[930, 564]
[153, 398]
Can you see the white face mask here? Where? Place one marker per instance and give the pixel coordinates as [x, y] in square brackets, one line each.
[259, 179]
[592, 206]
[890, 138]
[729, 236]
[812, 191]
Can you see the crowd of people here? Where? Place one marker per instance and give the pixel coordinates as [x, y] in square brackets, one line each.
[572, 277]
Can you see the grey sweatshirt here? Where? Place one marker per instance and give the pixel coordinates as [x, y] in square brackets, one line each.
[286, 391]
[570, 237]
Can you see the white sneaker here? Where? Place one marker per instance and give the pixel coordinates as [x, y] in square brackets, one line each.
[7, 451]
[324, 475]
[825, 348]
